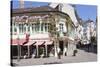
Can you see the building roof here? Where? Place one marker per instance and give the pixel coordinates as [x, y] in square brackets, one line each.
[33, 9]
[39, 10]
[71, 12]
[68, 9]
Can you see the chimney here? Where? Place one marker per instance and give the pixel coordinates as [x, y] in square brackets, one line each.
[21, 3]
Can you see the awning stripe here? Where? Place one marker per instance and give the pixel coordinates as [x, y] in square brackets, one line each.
[48, 42]
[29, 43]
[39, 42]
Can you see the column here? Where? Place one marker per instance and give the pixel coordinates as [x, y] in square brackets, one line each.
[46, 48]
[55, 49]
[20, 51]
[31, 29]
[26, 28]
[43, 27]
[18, 29]
[40, 25]
[18, 46]
[68, 48]
[47, 27]
[28, 47]
[37, 54]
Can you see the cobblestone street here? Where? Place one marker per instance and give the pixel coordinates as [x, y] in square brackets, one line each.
[82, 56]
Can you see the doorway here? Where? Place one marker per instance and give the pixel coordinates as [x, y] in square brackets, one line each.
[61, 45]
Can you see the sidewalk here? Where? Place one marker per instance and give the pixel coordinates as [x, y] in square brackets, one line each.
[81, 56]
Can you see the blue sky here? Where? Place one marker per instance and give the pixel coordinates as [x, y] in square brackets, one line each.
[28, 4]
[87, 12]
[84, 11]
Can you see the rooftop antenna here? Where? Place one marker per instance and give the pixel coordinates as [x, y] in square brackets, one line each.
[21, 3]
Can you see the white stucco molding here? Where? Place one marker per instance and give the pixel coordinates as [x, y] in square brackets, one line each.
[68, 9]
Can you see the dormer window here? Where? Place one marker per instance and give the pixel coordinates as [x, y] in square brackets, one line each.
[60, 7]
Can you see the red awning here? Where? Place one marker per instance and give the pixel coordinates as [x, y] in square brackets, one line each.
[16, 41]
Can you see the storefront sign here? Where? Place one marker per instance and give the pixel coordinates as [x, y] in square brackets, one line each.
[21, 18]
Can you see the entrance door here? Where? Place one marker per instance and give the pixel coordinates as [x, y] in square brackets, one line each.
[61, 45]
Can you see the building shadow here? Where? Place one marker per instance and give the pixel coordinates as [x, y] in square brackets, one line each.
[13, 64]
[53, 63]
[88, 48]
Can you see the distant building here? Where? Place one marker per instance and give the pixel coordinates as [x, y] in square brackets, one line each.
[89, 30]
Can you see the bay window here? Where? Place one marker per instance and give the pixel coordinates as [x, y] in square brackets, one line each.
[43, 27]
